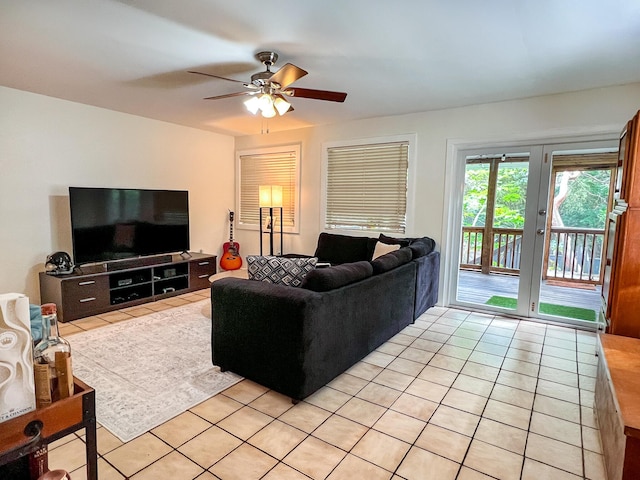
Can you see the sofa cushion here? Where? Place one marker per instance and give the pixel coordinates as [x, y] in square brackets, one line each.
[403, 242]
[280, 270]
[422, 246]
[330, 278]
[391, 260]
[337, 249]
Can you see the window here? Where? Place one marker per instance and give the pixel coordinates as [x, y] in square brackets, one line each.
[268, 166]
[366, 186]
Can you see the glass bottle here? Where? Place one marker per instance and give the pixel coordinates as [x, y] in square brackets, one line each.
[52, 361]
[39, 461]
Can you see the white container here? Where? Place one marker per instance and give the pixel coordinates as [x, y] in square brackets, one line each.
[17, 391]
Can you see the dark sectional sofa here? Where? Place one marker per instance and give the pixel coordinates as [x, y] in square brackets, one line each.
[297, 339]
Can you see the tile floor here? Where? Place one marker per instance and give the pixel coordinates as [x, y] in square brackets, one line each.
[457, 395]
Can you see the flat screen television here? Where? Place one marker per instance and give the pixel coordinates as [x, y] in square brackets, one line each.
[119, 223]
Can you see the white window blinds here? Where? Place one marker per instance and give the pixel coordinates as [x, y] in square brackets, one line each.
[273, 168]
[367, 187]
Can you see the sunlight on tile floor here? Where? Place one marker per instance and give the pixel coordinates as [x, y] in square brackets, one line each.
[457, 395]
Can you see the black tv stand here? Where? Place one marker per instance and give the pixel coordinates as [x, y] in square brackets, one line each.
[96, 289]
[128, 263]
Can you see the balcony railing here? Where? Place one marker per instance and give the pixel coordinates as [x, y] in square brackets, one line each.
[504, 255]
[572, 254]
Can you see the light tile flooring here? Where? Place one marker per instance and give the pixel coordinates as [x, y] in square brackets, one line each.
[457, 395]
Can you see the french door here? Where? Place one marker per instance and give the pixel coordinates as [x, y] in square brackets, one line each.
[532, 229]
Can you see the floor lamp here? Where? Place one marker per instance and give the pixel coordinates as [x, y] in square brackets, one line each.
[271, 199]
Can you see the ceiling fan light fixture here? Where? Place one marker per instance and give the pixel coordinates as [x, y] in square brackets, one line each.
[266, 101]
[252, 104]
[281, 105]
[269, 111]
[267, 89]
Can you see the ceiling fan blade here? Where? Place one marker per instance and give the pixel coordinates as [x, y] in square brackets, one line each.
[220, 78]
[316, 94]
[287, 75]
[228, 95]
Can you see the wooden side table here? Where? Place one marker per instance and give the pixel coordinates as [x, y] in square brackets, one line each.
[18, 435]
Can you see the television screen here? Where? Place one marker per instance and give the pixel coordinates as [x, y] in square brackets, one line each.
[117, 223]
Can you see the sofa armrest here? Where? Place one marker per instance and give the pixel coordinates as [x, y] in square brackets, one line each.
[427, 281]
[261, 330]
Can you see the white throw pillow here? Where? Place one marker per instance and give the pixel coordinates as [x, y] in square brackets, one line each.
[382, 248]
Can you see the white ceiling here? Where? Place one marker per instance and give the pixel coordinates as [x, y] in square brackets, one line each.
[390, 57]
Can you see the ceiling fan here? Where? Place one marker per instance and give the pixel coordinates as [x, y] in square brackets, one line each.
[267, 90]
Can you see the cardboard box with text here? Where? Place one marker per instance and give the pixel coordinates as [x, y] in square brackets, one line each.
[17, 392]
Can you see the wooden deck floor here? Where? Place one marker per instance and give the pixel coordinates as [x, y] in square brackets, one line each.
[476, 287]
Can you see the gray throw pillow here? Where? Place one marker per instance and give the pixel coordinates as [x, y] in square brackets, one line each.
[279, 270]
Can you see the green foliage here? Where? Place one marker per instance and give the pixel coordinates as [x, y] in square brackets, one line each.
[586, 202]
[476, 184]
[510, 195]
[585, 205]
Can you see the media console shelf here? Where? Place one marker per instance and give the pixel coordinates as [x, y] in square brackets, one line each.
[94, 289]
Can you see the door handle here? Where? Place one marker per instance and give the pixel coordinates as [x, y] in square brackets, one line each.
[542, 211]
[540, 231]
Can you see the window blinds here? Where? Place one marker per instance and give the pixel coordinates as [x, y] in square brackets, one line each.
[367, 187]
[585, 161]
[267, 169]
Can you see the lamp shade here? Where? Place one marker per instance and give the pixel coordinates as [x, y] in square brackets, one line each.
[281, 105]
[270, 195]
[253, 104]
[269, 112]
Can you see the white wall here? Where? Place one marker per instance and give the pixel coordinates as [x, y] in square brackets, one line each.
[554, 116]
[47, 145]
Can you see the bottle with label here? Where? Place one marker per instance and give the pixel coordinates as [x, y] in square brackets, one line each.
[39, 461]
[52, 361]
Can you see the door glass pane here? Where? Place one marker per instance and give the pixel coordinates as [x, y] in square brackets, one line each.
[508, 222]
[474, 211]
[580, 195]
[492, 226]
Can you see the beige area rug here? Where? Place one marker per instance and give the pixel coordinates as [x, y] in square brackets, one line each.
[147, 370]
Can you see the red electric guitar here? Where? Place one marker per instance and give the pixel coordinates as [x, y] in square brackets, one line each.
[231, 259]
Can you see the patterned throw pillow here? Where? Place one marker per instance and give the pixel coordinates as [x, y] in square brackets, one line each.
[279, 270]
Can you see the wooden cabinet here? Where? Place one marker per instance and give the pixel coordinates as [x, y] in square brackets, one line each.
[81, 296]
[621, 280]
[92, 290]
[200, 271]
[617, 406]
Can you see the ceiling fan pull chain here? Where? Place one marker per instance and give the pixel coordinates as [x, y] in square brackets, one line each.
[264, 123]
